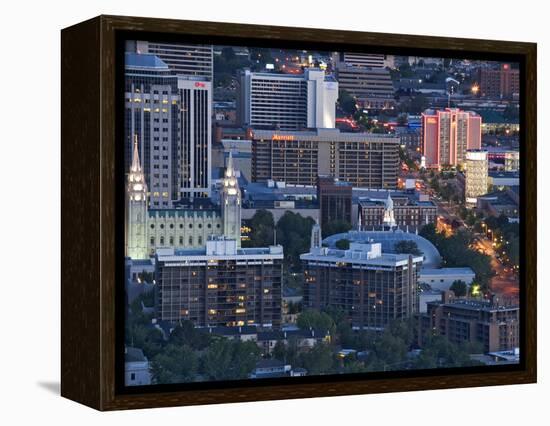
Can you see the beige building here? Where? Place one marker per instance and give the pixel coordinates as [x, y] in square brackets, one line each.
[477, 169]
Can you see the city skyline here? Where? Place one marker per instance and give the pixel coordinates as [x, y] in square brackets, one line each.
[293, 212]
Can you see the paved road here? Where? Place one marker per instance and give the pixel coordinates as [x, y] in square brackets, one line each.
[505, 283]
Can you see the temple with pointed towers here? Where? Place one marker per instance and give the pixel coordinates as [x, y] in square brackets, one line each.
[186, 226]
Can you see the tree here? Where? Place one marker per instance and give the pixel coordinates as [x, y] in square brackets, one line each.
[342, 244]
[312, 318]
[262, 226]
[347, 102]
[175, 364]
[335, 227]
[407, 246]
[459, 288]
[186, 334]
[402, 119]
[319, 360]
[229, 359]
[294, 234]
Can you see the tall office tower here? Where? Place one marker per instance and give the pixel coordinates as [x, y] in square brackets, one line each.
[372, 87]
[183, 58]
[447, 134]
[363, 159]
[334, 198]
[371, 288]
[196, 136]
[152, 113]
[364, 60]
[501, 83]
[231, 204]
[220, 285]
[136, 209]
[287, 101]
[477, 168]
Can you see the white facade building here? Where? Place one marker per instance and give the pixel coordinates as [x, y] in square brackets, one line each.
[288, 101]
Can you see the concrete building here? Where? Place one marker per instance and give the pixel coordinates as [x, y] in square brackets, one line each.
[501, 83]
[136, 368]
[372, 288]
[287, 101]
[196, 137]
[183, 58]
[448, 134]
[476, 175]
[362, 159]
[152, 104]
[334, 198]
[373, 87]
[493, 325]
[220, 285]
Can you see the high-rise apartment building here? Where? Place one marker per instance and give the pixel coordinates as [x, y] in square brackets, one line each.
[370, 287]
[477, 173]
[152, 106]
[500, 83]
[183, 58]
[196, 136]
[448, 134]
[221, 285]
[361, 159]
[287, 101]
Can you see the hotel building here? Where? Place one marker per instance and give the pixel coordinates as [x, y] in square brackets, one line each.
[372, 288]
[287, 101]
[448, 134]
[362, 159]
